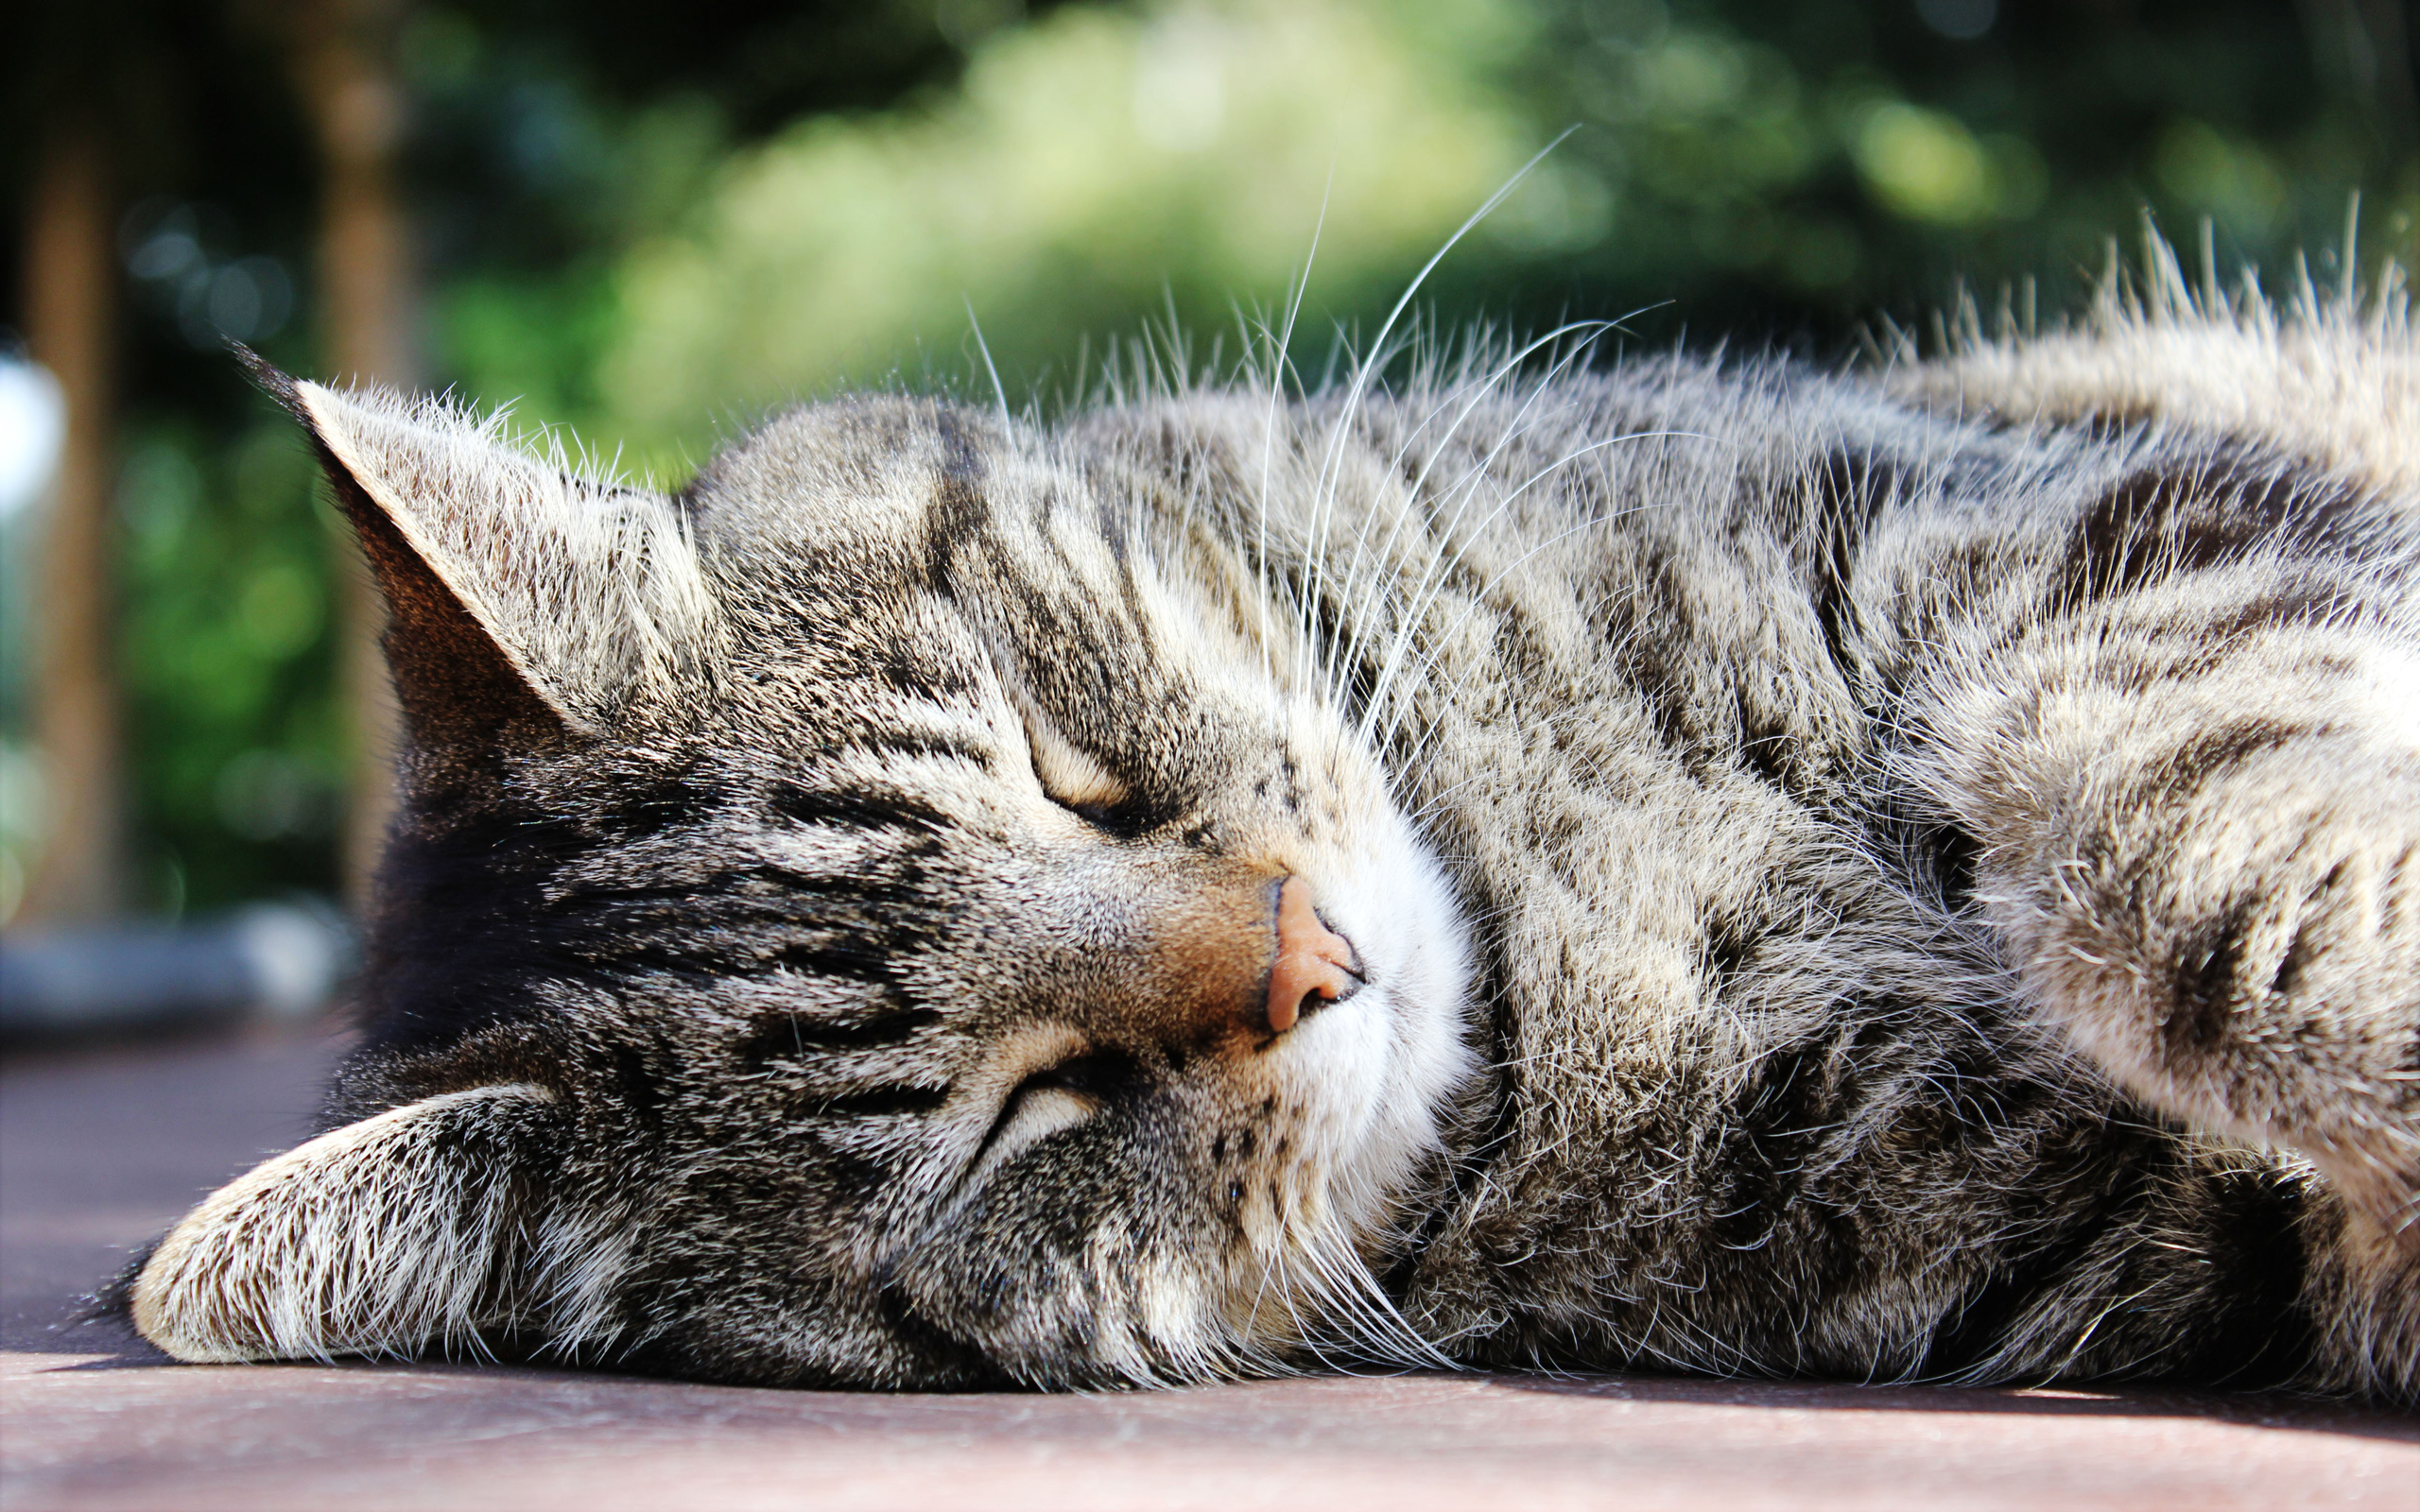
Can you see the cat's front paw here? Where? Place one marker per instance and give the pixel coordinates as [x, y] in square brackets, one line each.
[2247, 959]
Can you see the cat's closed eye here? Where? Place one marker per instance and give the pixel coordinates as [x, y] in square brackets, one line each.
[1060, 1095]
[1094, 1078]
[1075, 779]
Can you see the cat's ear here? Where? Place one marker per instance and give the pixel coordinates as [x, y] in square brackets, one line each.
[518, 593]
[405, 1230]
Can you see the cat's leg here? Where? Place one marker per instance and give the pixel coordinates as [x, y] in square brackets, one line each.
[2193, 793]
[2198, 833]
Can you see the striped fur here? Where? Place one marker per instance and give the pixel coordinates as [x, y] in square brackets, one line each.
[1888, 880]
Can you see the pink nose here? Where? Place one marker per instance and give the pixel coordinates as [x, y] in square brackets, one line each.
[1313, 961]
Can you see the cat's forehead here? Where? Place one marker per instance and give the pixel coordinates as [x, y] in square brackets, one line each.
[905, 535]
[862, 550]
[865, 477]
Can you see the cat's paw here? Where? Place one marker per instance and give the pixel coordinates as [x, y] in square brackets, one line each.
[2247, 959]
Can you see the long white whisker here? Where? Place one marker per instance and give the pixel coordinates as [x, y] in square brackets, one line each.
[998, 393]
[1476, 394]
[1434, 582]
[1463, 490]
[1380, 351]
[1279, 361]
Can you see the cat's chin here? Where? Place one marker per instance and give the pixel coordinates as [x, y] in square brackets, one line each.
[1368, 1083]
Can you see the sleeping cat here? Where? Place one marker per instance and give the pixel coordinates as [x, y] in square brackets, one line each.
[1692, 864]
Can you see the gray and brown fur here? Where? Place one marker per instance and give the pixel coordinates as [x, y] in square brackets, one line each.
[1896, 880]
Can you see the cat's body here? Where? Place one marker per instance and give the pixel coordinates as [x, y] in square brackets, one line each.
[1788, 880]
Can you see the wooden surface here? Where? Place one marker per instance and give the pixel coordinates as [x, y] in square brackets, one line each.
[100, 1150]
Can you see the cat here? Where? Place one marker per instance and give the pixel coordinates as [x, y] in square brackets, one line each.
[1546, 863]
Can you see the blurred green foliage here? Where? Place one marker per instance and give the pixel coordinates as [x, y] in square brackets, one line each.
[653, 222]
[1802, 163]
[228, 656]
[1092, 170]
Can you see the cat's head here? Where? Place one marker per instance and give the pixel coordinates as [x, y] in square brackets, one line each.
[904, 911]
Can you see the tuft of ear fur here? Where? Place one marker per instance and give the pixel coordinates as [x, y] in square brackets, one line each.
[518, 589]
[405, 1230]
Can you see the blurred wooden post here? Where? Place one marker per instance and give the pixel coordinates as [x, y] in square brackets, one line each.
[344, 56]
[71, 327]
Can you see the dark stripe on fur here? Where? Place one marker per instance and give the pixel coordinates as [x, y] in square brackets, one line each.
[847, 957]
[787, 1037]
[924, 747]
[874, 1102]
[1982, 1322]
[958, 510]
[2208, 985]
[672, 799]
[2217, 753]
[1847, 492]
[2166, 520]
[2260, 1335]
[854, 809]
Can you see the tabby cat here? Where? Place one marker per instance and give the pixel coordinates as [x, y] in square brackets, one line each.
[1668, 863]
